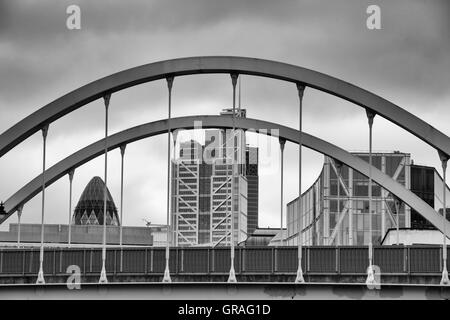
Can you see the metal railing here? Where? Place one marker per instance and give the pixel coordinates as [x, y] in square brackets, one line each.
[348, 260]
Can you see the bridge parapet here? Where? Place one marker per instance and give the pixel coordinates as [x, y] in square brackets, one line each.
[346, 264]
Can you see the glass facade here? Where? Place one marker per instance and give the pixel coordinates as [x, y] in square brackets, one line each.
[252, 188]
[90, 207]
[422, 184]
[335, 210]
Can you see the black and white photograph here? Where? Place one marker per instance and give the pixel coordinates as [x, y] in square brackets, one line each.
[224, 158]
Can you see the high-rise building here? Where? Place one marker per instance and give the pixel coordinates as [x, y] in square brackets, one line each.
[335, 209]
[90, 207]
[202, 193]
[251, 173]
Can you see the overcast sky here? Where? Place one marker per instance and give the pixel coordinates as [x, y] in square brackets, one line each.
[406, 62]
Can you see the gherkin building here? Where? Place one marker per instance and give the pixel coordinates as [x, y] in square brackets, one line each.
[90, 207]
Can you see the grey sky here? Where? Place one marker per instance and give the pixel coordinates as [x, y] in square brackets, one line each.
[406, 62]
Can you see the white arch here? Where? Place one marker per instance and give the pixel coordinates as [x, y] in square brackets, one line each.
[221, 64]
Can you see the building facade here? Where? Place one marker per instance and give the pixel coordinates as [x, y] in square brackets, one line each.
[252, 189]
[205, 199]
[90, 207]
[335, 209]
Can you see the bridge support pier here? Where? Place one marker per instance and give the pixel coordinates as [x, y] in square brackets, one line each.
[232, 274]
[370, 271]
[338, 239]
[444, 281]
[103, 278]
[299, 278]
[282, 144]
[40, 279]
[19, 215]
[69, 239]
[122, 155]
[166, 277]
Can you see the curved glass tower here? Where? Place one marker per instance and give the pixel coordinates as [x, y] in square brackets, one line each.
[89, 210]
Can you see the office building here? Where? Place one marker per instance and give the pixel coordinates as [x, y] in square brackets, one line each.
[202, 189]
[335, 209]
[90, 207]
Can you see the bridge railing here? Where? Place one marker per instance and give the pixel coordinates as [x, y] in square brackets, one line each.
[401, 260]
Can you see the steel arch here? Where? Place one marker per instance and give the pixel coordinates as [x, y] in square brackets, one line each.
[221, 64]
[160, 127]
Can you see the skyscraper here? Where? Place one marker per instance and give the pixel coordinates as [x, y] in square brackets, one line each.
[202, 192]
[90, 207]
[251, 173]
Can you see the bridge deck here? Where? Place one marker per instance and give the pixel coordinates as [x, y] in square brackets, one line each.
[223, 291]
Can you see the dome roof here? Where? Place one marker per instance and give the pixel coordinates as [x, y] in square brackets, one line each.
[89, 209]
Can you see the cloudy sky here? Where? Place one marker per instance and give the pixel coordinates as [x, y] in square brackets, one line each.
[406, 62]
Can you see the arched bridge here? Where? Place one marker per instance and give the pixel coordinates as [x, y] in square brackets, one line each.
[234, 66]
